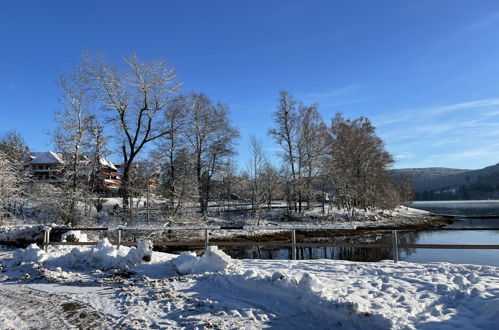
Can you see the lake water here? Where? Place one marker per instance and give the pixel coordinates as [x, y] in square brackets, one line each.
[482, 256]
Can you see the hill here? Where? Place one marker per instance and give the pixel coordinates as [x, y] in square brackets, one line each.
[438, 183]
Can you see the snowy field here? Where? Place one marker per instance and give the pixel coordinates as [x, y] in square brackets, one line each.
[102, 287]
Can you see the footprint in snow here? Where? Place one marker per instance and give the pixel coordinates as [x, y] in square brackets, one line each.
[460, 280]
[424, 296]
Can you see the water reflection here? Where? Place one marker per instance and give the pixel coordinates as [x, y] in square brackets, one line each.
[331, 252]
[481, 257]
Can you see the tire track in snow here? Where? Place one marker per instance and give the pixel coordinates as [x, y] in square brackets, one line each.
[40, 310]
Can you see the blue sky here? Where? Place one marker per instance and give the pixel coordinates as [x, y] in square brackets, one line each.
[425, 72]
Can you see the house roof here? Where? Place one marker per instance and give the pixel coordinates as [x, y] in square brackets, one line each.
[105, 162]
[51, 157]
[45, 157]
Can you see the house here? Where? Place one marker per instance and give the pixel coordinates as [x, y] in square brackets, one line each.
[106, 178]
[48, 167]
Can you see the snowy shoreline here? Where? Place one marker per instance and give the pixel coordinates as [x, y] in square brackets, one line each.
[400, 218]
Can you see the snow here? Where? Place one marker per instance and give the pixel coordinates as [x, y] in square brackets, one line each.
[215, 291]
[22, 233]
[46, 157]
[9, 320]
[74, 236]
[105, 162]
[32, 254]
[213, 260]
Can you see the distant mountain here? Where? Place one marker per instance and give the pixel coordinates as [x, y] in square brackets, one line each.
[438, 183]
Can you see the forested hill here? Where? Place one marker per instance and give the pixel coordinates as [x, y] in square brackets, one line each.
[438, 183]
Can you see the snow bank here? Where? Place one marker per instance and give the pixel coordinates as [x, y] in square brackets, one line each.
[102, 256]
[32, 254]
[105, 255]
[143, 252]
[213, 260]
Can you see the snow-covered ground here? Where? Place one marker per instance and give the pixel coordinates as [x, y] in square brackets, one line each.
[102, 287]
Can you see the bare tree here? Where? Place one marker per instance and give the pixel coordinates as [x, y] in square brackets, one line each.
[13, 146]
[168, 148]
[97, 150]
[136, 101]
[229, 182]
[311, 150]
[211, 137]
[71, 138]
[185, 183]
[177, 180]
[14, 177]
[10, 188]
[271, 181]
[243, 186]
[256, 166]
[285, 133]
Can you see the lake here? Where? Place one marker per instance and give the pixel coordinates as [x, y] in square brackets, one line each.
[481, 257]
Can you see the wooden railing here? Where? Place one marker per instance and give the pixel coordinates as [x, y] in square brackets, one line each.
[395, 245]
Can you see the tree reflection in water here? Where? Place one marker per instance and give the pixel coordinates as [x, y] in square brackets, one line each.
[331, 252]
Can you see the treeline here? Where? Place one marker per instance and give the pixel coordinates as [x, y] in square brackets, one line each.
[185, 143]
[346, 159]
[482, 187]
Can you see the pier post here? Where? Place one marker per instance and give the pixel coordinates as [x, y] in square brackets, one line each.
[46, 239]
[119, 238]
[395, 246]
[206, 240]
[293, 244]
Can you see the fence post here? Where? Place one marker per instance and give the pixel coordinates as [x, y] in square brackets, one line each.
[46, 239]
[119, 238]
[206, 240]
[395, 246]
[293, 244]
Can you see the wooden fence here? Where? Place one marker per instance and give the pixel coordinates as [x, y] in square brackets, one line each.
[395, 245]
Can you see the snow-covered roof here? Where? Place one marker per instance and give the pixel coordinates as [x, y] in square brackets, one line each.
[105, 162]
[45, 157]
[51, 157]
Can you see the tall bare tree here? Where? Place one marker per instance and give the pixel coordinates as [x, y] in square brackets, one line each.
[285, 133]
[256, 167]
[71, 137]
[135, 100]
[13, 179]
[211, 137]
[169, 147]
[312, 144]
